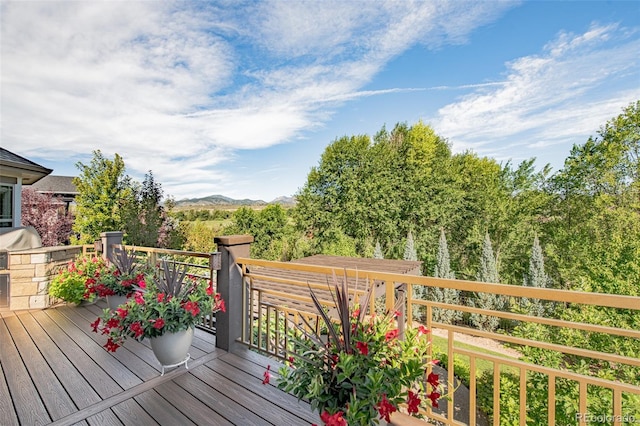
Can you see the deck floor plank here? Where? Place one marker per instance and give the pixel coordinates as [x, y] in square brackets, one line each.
[123, 376]
[98, 379]
[230, 366]
[53, 395]
[75, 384]
[125, 355]
[53, 355]
[221, 401]
[244, 397]
[193, 408]
[8, 414]
[164, 413]
[130, 412]
[106, 418]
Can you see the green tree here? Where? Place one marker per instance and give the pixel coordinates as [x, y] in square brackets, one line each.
[377, 253]
[536, 277]
[102, 188]
[274, 237]
[409, 249]
[487, 273]
[445, 295]
[142, 213]
[364, 191]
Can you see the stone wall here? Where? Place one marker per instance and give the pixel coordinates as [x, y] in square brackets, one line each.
[31, 271]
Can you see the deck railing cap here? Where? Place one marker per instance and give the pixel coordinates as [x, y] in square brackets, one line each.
[233, 240]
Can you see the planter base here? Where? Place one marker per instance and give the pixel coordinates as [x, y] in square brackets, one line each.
[184, 361]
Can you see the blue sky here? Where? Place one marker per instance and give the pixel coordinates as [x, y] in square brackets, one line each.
[241, 98]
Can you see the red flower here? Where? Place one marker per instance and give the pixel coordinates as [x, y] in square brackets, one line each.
[363, 347]
[267, 376]
[122, 313]
[160, 297]
[391, 335]
[210, 289]
[423, 330]
[137, 329]
[413, 402]
[333, 419]
[139, 298]
[113, 323]
[192, 308]
[220, 306]
[396, 314]
[141, 283]
[356, 313]
[95, 324]
[111, 345]
[385, 408]
[158, 324]
[434, 396]
[433, 380]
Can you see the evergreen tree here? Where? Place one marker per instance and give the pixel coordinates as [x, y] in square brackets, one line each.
[410, 249]
[443, 266]
[377, 253]
[535, 278]
[445, 295]
[143, 215]
[487, 273]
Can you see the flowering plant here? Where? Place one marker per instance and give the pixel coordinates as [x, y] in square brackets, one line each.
[171, 301]
[118, 279]
[70, 283]
[365, 370]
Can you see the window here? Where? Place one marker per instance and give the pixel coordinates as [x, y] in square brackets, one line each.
[6, 206]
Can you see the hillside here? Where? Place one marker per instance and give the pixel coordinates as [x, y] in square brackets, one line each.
[222, 201]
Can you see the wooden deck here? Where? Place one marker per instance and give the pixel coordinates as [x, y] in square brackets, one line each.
[54, 371]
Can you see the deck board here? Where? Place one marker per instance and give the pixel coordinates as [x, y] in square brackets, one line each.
[189, 405]
[76, 385]
[54, 371]
[8, 414]
[29, 407]
[165, 413]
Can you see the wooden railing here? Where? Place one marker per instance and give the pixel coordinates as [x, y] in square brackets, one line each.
[277, 295]
[200, 264]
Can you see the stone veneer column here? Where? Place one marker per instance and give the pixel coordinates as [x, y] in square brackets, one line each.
[229, 285]
[31, 272]
[109, 239]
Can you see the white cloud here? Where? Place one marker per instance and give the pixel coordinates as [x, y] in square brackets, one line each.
[567, 91]
[161, 83]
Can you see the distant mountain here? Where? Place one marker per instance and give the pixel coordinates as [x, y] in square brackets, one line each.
[221, 200]
[284, 201]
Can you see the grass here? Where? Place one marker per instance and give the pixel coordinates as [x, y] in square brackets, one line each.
[461, 362]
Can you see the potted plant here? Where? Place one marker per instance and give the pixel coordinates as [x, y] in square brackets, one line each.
[364, 370]
[70, 283]
[166, 311]
[119, 280]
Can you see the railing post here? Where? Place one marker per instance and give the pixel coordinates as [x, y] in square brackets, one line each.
[109, 239]
[229, 285]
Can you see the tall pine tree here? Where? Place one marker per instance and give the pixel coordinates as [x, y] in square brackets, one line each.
[377, 253]
[535, 278]
[445, 295]
[410, 249]
[487, 273]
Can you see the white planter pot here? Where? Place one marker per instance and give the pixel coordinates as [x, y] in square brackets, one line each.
[172, 349]
[114, 301]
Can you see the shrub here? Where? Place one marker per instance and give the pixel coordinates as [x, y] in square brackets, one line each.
[69, 283]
